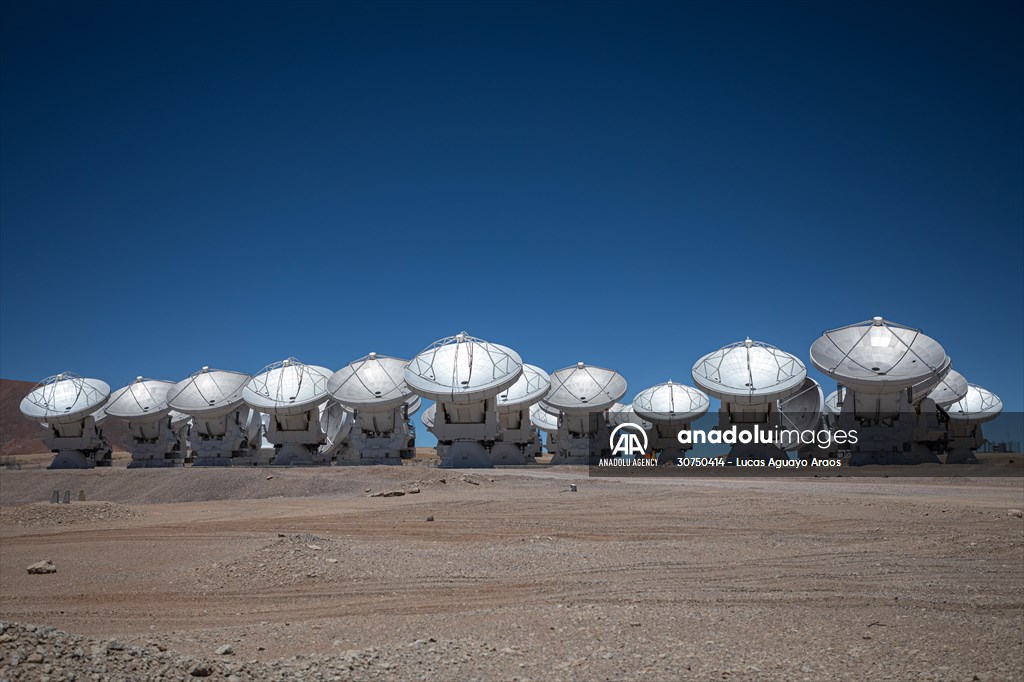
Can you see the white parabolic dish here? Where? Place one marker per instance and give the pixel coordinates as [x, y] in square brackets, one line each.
[64, 398]
[543, 420]
[287, 387]
[208, 393]
[622, 413]
[832, 402]
[585, 388]
[335, 424]
[952, 388]
[375, 382]
[532, 385]
[978, 406]
[803, 409]
[880, 357]
[428, 416]
[749, 373]
[463, 369]
[141, 400]
[178, 419]
[671, 403]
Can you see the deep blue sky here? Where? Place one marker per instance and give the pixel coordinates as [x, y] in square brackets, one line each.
[632, 185]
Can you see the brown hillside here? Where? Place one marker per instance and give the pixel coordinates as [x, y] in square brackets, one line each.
[21, 436]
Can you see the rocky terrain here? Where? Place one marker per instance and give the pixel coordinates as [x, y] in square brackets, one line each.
[505, 574]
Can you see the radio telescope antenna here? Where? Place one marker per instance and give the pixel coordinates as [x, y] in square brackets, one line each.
[69, 405]
[750, 378]
[582, 394]
[965, 418]
[670, 407]
[154, 441]
[888, 371]
[291, 392]
[979, 405]
[224, 430]
[518, 442]
[336, 425]
[374, 388]
[802, 412]
[464, 376]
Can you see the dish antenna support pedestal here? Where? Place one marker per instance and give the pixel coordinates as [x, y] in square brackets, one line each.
[545, 419]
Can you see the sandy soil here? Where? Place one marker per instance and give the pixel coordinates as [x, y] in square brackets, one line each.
[626, 579]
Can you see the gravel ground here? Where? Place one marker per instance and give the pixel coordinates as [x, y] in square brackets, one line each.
[308, 576]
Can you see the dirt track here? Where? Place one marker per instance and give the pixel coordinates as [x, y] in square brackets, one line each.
[754, 579]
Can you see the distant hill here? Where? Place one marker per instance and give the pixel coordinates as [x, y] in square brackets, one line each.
[21, 436]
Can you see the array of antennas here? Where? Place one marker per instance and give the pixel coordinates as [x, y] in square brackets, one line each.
[490, 407]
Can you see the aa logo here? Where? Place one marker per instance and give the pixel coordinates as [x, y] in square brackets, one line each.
[628, 440]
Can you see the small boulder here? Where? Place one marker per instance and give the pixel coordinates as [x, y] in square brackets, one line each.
[430, 518]
[390, 493]
[45, 566]
[1012, 512]
[225, 650]
[201, 670]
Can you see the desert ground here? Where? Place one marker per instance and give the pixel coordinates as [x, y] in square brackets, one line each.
[304, 574]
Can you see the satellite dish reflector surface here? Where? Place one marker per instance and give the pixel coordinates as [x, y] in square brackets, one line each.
[749, 373]
[374, 381]
[803, 409]
[532, 385]
[621, 413]
[208, 393]
[428, 416]
[671, 402]
[64, 398]
[287, 387]
[542, 419]
[335, 423]
[879, 357]
[141, 400]
[412, 405]
[99, 415]
[463, 369]
[178, 419]
[832, 402]
[978, 406]
[585, 388]
[951, 389]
